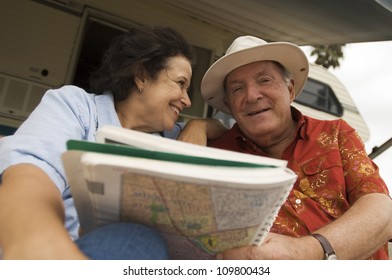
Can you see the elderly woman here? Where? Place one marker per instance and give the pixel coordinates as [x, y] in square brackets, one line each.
[141, 84]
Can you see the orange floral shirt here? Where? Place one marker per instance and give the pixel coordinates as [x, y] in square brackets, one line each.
[333, 172]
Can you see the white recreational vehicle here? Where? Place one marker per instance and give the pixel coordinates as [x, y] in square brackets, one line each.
[325, 97]
[48, 43]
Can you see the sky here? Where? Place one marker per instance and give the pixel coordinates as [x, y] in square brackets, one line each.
[366, 72]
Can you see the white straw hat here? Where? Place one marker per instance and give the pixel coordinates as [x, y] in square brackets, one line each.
[248, 49]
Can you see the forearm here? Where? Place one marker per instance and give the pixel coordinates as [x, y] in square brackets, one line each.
[32, 216]
[198, 131]
[355, 235]
[363, 229]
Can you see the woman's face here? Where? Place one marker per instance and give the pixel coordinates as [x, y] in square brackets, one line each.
[162, 100]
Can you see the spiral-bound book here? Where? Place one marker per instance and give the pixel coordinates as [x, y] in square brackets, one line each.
[203, 200]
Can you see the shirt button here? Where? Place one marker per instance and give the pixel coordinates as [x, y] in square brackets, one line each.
[298, 201]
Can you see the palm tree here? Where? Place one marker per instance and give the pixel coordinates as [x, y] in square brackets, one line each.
[328, 55]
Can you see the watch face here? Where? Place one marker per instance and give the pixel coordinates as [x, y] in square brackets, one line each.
[331, 257]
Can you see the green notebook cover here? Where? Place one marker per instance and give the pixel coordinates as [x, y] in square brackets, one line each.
[123, 150]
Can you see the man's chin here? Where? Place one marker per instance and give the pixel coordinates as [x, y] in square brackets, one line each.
[255, 129]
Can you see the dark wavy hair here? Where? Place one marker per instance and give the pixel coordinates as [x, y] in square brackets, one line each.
[142, 52]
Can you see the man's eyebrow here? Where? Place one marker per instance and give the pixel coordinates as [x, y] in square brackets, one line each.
[235, 81]
[263, 72]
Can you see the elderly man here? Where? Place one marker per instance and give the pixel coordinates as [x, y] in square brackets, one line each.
[339, 207]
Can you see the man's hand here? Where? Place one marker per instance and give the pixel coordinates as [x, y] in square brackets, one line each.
[277, 247]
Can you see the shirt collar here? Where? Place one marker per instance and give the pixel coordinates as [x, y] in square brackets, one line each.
[106, 113]
[301, 123]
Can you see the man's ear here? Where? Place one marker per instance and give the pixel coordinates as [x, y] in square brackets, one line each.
[226, 102]
[292, 90]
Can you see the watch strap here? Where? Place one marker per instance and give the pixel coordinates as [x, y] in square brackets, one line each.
[329, 252]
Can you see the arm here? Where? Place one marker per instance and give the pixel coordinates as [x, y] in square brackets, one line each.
[32, 193]
[361, 231]
[364, 228]
[32, 217]
[198, 131]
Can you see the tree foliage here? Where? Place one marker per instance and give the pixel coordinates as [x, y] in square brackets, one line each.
[328, 55]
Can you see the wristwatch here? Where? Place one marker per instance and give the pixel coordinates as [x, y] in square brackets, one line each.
[329, 252]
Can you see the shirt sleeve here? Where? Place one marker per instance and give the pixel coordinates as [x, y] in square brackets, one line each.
[361, 173]
[61, 115]
[175, 132]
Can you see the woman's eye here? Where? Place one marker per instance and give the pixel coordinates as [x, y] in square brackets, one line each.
[183, 85]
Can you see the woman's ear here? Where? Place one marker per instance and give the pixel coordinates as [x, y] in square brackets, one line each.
[140, 83]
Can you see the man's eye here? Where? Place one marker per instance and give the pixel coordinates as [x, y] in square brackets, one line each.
[235, 90]
[265, 80]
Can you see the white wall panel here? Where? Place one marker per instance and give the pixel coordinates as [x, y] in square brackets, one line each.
[36, 38]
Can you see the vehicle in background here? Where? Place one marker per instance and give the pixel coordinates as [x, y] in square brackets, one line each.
[36, 56]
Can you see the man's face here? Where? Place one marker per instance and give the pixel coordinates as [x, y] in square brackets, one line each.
[259, 99]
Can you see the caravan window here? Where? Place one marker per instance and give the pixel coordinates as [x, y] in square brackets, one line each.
[321, 97]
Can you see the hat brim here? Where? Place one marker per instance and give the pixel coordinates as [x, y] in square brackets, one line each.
[287, 54]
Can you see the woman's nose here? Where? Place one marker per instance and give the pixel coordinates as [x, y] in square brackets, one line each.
[185, 100]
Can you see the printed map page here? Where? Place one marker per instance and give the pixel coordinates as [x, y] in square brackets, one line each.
[197, 220]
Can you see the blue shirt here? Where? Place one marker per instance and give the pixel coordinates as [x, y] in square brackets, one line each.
[65, 113]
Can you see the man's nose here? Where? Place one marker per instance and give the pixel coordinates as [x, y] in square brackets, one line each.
[253, 92]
